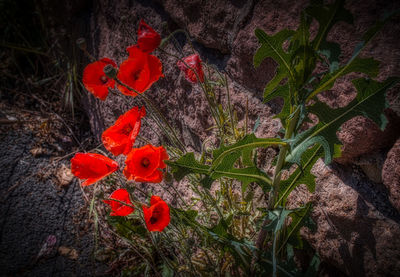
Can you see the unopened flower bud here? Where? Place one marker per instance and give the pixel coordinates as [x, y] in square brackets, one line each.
[81, 42]
[110, 71]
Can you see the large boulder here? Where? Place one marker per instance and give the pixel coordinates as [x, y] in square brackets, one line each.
[391, 174]
[357, 228]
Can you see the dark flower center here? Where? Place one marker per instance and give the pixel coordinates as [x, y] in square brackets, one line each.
[145, 162]
[136, 75]
[126, 130]
[103, 79]
[153, 220]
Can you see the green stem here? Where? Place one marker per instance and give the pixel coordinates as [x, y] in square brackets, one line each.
[230, 108]
[276, 181]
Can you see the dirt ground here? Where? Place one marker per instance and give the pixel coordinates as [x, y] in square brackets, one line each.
[41, 202]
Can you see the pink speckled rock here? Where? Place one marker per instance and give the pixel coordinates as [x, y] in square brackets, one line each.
[353, 232]
[391, 174]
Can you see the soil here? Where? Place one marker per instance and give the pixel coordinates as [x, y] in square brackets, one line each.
[41, 202]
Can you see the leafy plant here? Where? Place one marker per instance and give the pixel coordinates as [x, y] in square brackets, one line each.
[298, 82]
[225, 227]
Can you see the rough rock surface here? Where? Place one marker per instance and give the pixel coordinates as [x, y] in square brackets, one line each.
[358, 228]
[391, 174]
[34, 206]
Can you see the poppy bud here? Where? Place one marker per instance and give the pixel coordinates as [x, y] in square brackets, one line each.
[110, 71]
[81, 42]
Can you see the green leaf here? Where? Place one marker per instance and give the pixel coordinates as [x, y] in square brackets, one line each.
[274, 83]
[245, 175]
[166, 271]
[187, 164]
[332, 51]
[277, 219]
[327, 16]
[283, 92]
[303, 56]
[368, 66]
[249, 142]
[369, 102]
[127, 227]
[302, 175]
[271, 46]
[312, 270]
[299, 217]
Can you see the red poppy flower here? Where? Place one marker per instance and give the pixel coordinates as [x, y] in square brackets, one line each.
[119, 209]
[157, 217]
[120, 137]
[194, 62]
[148, 39]
[92, 167]
[144, 164]
[139, 71]
[95, 80]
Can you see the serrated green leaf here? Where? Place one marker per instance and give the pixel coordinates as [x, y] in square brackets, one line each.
[127, 227]
[312, 270]
[303, 56]
[283, 92]
[302, 175]
[271, 46]
[327, 16]
[249, 142]
[331, 50]
[247, 157]
[368, 66]
[245, 175]
[224, 160]
[277, 219]
[187, 164]
[292, 234]
[369, 102]
[274, 82]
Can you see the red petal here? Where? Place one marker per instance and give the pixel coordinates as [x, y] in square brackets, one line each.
[92, 166]
[119, 209]
[159, 210]
[93, 75]
[139, 72]
[155, 199]
[155, 177]
[135, 158]
[117, 139]
[148, 39]
[194, 62]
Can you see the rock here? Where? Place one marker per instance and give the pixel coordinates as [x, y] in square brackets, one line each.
[361, 135]
[213, 25]
[356, 231]
[68, 252]
[391, 174]
[64, 175]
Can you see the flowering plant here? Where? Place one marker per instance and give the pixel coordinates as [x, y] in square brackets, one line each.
[226, 227]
